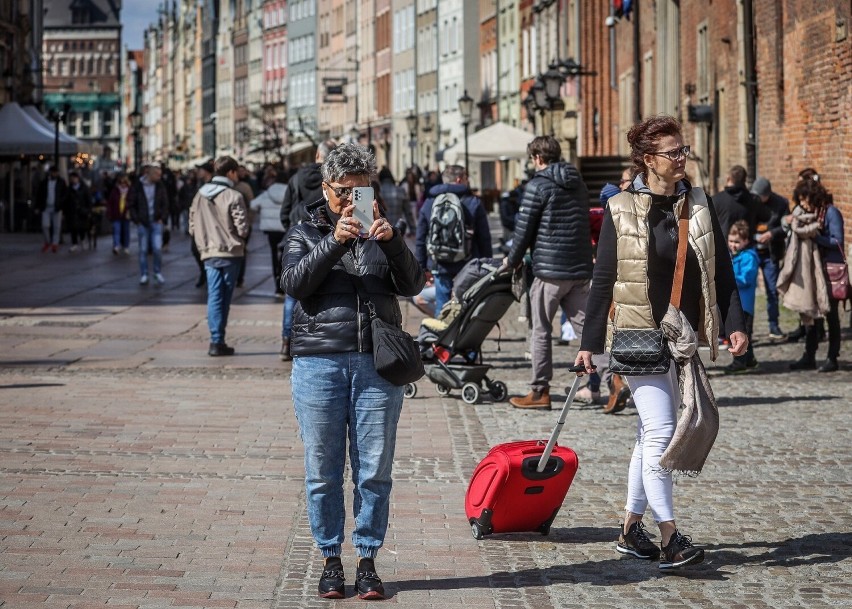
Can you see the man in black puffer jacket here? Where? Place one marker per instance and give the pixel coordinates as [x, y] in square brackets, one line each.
[553, 223]
[735, 202]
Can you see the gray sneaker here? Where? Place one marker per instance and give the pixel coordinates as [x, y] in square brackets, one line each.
[637, 543]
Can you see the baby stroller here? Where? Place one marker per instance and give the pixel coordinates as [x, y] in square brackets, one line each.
[452, 352]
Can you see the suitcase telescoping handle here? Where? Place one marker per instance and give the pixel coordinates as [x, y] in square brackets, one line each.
[542, 463]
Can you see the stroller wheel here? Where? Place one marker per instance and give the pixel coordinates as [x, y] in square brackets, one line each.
[470, 393]
[499, 391]
[410, 390]
[442, 389]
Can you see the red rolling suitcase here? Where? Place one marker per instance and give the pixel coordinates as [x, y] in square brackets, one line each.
[520, 486]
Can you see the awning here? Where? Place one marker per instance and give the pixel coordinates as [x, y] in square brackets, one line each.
[496, 142]
[23, 135]
[299, 147]
[42, 120]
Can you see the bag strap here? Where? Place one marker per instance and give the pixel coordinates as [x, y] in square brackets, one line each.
[680, 263]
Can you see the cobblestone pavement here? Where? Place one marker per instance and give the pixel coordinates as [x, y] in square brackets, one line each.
[137, 472]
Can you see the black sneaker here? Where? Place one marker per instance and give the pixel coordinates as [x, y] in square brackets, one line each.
[219, 349]
[637, 543]
[680, 552]
[367, 583]
[331, 583]
[829, 365]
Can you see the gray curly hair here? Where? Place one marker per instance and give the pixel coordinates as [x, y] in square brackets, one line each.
[346, 160]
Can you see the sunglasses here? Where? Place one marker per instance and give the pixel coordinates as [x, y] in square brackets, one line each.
[677, 154]
[341, 192]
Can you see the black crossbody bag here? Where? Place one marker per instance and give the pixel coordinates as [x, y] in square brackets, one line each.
[645, 351]
[395, 353]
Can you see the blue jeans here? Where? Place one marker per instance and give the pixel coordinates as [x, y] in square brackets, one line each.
[221, 282]
[338, 396]
[443, 289]
[150, 240]
[287, 318]
[121, 233]
[770, 279]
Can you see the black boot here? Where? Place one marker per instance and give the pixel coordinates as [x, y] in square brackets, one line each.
[806, 362]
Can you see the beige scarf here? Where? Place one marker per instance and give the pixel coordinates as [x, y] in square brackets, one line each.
[699, 422]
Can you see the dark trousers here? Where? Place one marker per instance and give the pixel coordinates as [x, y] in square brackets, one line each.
[832, 319]
[274, 238]
[748, 356]
[770, 278]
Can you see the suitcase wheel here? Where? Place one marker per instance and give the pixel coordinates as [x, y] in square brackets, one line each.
[544, 529]
[476, 530]
[410, 390]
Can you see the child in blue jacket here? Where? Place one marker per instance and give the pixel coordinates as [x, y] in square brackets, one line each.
[746, 266]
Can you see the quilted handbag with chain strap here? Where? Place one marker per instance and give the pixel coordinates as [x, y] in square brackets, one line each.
[645, 351]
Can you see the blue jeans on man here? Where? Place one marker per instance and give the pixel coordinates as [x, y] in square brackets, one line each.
[221, 281]
[443, 289]
[150, 241]
[340, 396]
[769, 268]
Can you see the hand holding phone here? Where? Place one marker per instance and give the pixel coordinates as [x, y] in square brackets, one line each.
[362, 198]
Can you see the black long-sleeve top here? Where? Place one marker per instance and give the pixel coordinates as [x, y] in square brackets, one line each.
[662, 254]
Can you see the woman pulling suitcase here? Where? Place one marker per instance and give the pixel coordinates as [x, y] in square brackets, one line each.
[639, 240]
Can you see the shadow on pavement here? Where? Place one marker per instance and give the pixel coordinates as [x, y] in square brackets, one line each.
[729, 401]
[31, 385]
[815, 549]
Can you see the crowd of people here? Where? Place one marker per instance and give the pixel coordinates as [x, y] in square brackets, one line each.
[651, 253]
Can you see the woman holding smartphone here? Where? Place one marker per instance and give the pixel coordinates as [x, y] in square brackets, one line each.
[337, 393]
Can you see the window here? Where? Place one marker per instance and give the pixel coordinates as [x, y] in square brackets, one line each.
[86, 124]
[108, 122]
[702, 59]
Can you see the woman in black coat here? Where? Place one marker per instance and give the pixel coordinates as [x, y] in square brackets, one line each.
[337, 393]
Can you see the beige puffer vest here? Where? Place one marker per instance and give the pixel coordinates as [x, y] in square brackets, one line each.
[630, 293]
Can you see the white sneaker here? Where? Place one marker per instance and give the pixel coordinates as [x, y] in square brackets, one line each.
[143, 280]
[586, 396]
[158, 277]
[73, 249]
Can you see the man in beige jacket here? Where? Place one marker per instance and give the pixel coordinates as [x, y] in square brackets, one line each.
[218, 223]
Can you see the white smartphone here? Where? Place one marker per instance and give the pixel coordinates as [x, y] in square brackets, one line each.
[362, 197]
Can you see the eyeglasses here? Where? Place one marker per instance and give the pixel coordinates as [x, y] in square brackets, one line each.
[677, 154]
[341, 192]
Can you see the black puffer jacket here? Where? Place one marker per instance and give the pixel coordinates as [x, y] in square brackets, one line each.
[329, 316]
[554, 223]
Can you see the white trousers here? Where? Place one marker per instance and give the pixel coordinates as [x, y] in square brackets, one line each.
[657, 399]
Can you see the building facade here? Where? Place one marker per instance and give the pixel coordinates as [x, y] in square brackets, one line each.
[81, 59]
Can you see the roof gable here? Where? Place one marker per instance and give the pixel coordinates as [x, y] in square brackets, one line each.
[82, 13]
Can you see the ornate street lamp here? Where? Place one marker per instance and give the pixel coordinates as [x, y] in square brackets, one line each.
[411, 123]
[553, 80]
[466, 111]
[136, 127]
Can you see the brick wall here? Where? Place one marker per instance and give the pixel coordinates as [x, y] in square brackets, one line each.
[805, 95]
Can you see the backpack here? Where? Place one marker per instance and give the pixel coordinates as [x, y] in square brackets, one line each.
[448, 240]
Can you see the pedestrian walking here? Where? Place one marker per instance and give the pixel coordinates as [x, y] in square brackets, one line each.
[78, 210]
[118, 214]
[149, 211]
[50, 201]
[770, 242]
[244, 186]
[634, 274]
[553, 222]
[452, 235]
[337, 393]
[736, 202]
[816, 238]
[218, 223]
[268, 205]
